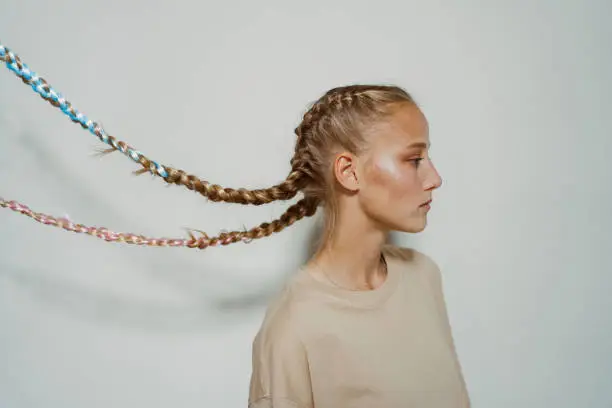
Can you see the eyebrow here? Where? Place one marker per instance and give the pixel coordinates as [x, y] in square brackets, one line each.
[418, 144]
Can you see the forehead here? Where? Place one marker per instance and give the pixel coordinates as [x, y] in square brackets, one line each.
[411, 120]
[405, 126]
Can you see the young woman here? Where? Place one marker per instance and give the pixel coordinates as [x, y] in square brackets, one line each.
[362, 324]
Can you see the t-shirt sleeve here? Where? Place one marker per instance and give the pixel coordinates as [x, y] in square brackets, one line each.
[280, 376]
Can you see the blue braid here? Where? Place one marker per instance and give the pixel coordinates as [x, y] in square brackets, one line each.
[40, 86]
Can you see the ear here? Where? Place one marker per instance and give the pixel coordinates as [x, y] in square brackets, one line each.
[345, 171]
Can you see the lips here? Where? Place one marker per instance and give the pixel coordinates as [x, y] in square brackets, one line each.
[426, 202]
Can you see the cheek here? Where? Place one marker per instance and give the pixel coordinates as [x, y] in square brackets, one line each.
[391, 179]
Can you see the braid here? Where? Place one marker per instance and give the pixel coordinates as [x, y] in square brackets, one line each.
[335, 99]
[303, 208]
[283, 191]
[214, 192]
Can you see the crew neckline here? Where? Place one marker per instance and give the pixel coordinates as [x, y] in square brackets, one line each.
[367, 298]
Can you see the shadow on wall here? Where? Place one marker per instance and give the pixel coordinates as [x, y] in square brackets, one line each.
[207, 309]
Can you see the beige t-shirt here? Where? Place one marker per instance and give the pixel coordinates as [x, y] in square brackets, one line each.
[325, 347]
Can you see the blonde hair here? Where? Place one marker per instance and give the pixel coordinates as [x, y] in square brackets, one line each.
[339, 119]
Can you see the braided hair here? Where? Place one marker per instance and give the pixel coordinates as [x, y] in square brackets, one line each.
[337, 120]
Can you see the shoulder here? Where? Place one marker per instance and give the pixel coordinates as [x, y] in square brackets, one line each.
[280, 376]
[428, 273]
[278, 330]
[410, 255]
[417, 260]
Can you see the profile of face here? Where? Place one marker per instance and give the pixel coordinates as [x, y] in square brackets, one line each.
[394, 175]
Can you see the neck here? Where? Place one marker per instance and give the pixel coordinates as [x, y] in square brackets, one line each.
[351, 258]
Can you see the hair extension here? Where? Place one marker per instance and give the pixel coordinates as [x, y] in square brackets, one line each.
[303, 208]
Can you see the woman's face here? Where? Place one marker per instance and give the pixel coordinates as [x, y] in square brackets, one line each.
[396, 175]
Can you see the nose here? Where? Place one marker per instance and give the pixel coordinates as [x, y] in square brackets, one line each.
[433, 180]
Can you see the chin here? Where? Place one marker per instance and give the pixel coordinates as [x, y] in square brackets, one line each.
[409, 222]
[413, 227]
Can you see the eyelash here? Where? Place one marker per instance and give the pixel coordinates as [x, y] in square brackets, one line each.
[416, 161]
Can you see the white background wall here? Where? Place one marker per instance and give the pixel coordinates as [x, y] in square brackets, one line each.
[518, 98]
